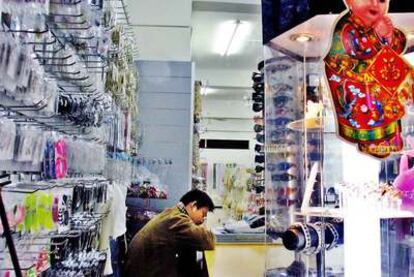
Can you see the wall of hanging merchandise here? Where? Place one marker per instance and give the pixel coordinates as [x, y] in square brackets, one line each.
[72, 55]
[28, 148]
[68, 92]
[56, 226]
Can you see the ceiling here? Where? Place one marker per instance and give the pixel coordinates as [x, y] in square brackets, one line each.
[206, 18]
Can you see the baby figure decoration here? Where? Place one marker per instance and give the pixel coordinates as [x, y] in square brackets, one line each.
[369, 81]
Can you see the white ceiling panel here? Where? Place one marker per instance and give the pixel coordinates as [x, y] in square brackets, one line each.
[163, 43]
[160, 12]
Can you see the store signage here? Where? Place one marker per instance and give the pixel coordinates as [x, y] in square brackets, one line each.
[369, 80]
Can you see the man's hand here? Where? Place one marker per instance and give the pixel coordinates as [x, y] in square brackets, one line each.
[384, 28]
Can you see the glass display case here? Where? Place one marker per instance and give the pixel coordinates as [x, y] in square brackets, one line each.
[332, 201]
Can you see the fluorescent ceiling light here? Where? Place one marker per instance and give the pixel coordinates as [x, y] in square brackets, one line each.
[207, 90]
[231, 37]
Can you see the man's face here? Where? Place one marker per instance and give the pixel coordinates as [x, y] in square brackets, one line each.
[369, 11]
[198, 215]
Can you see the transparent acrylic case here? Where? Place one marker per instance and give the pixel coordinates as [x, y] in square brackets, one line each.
[314, 177]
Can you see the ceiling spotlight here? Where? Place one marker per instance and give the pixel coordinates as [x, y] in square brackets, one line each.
[303, 37]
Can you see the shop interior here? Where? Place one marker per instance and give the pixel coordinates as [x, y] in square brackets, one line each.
[111, 110]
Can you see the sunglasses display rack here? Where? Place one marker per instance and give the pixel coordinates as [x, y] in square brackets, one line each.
[67, 95]
[56, 227]
[282, 145]
[258, 99]
[294, 165]
[256, 201]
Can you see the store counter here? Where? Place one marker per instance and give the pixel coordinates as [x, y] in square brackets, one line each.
[236, 260]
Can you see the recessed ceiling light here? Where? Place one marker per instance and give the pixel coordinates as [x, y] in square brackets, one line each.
[303, 37]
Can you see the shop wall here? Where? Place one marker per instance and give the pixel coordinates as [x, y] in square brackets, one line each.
[166, 108]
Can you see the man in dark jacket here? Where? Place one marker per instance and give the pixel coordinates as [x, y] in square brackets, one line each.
[162, 248]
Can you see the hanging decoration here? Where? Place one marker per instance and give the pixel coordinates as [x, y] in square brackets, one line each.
[369, 81]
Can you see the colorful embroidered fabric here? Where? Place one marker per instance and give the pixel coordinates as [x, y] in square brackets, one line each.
[370, 84]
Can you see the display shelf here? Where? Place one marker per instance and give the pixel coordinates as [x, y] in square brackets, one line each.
[308, 124]
[341, 213]
[23, 167]
[55, 97]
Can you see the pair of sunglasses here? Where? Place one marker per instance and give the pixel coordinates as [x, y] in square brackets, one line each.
[283, 177]
[280, 166]
[258, 128]
[258, 87]
[257, 77]
[282, 88]
[258, 148]
[257, 107]
[281, 101]
[314, 156]
[286, 140]
[278, 67]
[258, 97]
[260, 138]
[259, 159]
[280, 121]
[258, 168]
[280, 132]
[284, 111]
[282, 141]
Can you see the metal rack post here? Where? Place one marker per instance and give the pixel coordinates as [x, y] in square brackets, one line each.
[7, 233]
